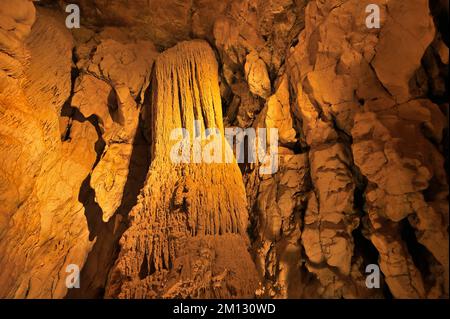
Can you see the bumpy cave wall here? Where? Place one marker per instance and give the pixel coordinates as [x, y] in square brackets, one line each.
[86, 176]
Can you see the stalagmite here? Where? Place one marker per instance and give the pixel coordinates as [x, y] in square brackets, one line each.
[187, 236]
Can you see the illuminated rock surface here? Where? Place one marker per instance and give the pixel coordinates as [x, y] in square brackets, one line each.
[87, 178]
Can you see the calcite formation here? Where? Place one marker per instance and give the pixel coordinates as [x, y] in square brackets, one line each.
[43, 226]
[190, 228]
[90, 118]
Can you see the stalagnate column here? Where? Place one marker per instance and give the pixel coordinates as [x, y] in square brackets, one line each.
[187, 234]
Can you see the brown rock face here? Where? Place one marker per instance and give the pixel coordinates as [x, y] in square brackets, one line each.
[360, 89]
[43, 227]
[115, 157]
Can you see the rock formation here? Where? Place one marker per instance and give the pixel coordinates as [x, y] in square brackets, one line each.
[187, 234]
[43, 226]
[104, 132]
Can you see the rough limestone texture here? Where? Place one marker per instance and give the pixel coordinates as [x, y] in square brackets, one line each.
[43, 228]
[111, 87]
[196, 246]
[355, 85]
[93, 175]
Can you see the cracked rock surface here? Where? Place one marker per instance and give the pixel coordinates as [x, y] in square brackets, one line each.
[88, 176]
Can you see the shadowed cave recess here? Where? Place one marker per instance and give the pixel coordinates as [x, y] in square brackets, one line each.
[87, 176]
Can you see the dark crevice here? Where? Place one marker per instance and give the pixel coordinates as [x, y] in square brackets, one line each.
[421, 257]
[440, 13]
[144, 271]
[67, 109]
[435, 74]
[106, 248]
[107, 235]
[445, 143]
[252, 229]
[364, 247]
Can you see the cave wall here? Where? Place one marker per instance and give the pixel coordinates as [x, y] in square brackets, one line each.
[86, 176]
